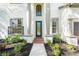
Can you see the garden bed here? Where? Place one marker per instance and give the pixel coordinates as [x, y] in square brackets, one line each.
[64, 51]
[48, 50]
[25, 51]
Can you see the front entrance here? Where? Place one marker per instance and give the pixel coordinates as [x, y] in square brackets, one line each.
[38, 28]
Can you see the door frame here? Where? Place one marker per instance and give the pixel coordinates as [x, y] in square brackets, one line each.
[40, 28]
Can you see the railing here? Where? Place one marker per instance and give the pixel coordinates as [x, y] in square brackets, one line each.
[16, 30]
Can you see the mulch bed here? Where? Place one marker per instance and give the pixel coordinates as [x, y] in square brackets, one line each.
[48, 50]
[63, 51]
[24, 52]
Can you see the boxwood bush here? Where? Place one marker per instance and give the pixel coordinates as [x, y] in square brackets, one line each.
[56, 39]
[49, 43]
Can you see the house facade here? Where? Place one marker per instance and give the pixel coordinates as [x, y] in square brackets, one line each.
[31, 20]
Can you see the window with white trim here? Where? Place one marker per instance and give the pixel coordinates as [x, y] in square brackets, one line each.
[16, 26]
[76, 28]
[55, 25]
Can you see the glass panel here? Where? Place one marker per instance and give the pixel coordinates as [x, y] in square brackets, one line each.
[54, 26]
[38, 28]
[54, 30]
[14, 22]
[38, 10]
[16, 26]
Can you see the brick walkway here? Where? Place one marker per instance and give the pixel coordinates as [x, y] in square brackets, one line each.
[38, 40]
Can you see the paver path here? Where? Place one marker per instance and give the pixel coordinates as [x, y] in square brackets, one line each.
[38, 50]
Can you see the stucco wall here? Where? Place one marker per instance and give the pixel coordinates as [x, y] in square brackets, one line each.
[65, 15]
[64, 22]
[4, 20]
[8, 11]
[55, 9]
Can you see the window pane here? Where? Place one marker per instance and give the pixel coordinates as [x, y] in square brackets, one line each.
[16, 26]
[54, 30]
[38, 10]
[54, 25]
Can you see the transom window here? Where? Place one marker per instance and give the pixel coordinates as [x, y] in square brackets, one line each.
[54, 25]
[38, 10]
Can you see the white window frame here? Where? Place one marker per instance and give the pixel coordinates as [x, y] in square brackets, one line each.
[16, 25]
[73, 27]
[57, 25]
[74, 20]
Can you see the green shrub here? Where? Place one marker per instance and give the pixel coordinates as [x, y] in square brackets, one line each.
[56, 39]
[5, 53]
[17, 48]
[70, 47]
[13, 39]
[56, 50]
[7, 40]
[56, 46]
[16, 38]
[24, 42]
[49, 42]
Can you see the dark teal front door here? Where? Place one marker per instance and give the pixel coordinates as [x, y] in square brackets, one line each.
[38, 28]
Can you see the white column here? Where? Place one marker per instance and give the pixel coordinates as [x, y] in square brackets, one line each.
[30, 15]
[48, 18]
